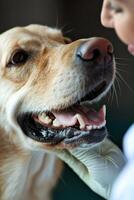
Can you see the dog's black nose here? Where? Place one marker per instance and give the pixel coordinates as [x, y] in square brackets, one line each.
[98, 50]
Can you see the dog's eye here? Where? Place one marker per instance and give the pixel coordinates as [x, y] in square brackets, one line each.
[19, 57]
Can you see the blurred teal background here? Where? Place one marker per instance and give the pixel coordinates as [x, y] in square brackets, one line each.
[80, 19]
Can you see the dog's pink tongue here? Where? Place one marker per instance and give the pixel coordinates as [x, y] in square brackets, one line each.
[82, 114]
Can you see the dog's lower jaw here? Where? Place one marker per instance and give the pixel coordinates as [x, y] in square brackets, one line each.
[24, 174]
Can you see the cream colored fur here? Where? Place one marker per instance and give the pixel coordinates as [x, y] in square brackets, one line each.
[28, 169]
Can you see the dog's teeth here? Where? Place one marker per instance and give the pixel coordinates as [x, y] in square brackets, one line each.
[47, 120]
[44, 118]
[100, 126]
[89, 127]
[104, 110]
[94, 126]
[80, 120]
[56, 123]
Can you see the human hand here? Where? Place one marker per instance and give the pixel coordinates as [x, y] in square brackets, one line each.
[98, 166]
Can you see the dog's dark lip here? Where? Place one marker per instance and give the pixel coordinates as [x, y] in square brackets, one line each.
[88, 137]
[94, 93]
[69, 135]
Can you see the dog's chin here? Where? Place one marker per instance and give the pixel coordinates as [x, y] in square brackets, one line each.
[79, 125]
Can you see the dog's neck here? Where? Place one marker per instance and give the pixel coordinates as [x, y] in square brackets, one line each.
[23, 170]
[11, 159]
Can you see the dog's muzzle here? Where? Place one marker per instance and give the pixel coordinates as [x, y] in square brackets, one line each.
[77, 124]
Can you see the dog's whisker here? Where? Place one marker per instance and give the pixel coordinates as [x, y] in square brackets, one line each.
[119, 58]
[64, 27]
[121, 70]
[57, 14]
[118, 83]
[121, 64]
[125, 82]
[117, 79]
[57, 20]
[116, 96]
[111, 96]
[68, 31]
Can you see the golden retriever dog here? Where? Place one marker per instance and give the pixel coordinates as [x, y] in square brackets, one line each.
[47, 86]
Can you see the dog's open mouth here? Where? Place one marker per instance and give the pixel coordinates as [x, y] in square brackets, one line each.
[78, 124]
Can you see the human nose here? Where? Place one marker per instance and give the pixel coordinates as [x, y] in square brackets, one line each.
[106, 15]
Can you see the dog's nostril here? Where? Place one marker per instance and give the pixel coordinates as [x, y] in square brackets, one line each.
[96, 54]
[89, 56]
[99, 50]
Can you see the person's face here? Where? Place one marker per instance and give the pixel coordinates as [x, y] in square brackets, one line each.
[119, 14]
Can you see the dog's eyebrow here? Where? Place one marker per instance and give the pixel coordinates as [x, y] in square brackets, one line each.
[30, 42]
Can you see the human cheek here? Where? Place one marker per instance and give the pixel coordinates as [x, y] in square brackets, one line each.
[125, 31]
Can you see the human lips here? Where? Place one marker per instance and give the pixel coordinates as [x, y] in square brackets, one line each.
[131, 49]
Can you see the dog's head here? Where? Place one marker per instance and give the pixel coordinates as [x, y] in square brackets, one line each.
[47, 85]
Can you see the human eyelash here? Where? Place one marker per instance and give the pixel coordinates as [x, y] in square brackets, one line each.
[114, 8]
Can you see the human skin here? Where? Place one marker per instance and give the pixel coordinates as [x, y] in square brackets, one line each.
[119, 15]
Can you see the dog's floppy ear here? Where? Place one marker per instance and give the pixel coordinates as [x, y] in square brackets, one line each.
[45, 31]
